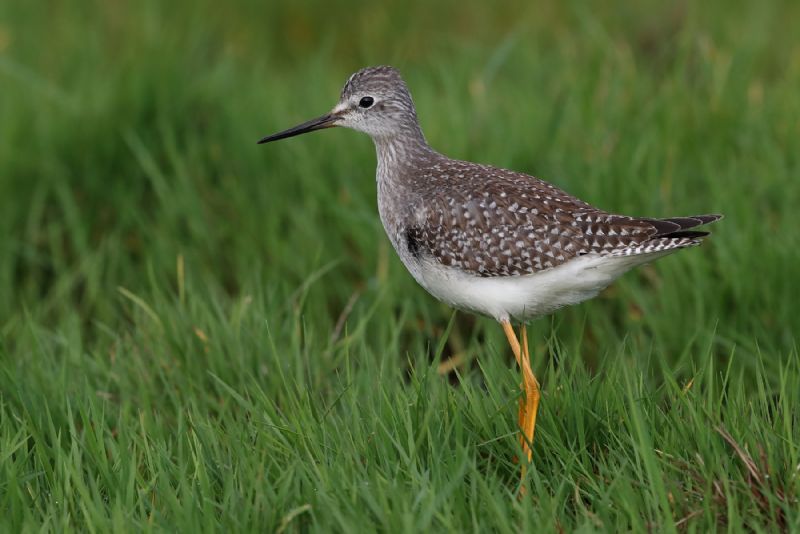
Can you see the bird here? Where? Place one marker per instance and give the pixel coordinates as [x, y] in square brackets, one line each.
[489, 240]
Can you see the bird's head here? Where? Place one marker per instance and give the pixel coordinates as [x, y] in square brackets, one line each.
[375, 100]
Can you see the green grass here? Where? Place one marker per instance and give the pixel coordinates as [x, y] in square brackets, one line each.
[198, 333]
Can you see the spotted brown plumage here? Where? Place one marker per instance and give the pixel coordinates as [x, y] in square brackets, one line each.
[496, 222]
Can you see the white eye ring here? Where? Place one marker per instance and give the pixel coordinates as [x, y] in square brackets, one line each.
[366, 102]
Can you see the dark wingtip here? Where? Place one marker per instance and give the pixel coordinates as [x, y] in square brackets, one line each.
[677, 226]
[709, 218]
[663, 226]
[691, 234]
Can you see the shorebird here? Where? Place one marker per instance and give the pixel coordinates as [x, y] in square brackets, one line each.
[490, 240]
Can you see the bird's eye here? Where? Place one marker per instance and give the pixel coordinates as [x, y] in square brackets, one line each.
[366, 102]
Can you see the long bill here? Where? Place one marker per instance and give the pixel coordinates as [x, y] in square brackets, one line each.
[326, 121]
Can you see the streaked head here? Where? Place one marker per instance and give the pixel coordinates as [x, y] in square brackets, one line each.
[375, 100]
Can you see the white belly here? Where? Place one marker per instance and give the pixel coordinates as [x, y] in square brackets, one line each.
[523, 298]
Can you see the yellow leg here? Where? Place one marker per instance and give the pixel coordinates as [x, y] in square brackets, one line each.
[531, 394]
[530, 404]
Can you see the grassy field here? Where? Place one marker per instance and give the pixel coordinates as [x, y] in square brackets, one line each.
[201, 334]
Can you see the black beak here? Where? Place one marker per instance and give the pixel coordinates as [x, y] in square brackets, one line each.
[326, 121]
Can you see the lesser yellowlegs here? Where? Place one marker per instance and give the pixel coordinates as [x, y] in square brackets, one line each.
[490, 240]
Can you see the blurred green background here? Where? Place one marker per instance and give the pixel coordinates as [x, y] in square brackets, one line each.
[160, 273]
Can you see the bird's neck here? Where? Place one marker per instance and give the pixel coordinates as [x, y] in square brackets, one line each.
[399, 153]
